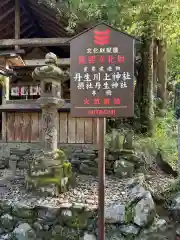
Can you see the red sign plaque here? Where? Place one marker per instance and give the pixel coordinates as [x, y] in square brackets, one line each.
[102, 73]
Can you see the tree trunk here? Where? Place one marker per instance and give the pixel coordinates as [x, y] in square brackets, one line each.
[147, 110]
[139, 78]
[155, 67]
[162, 76]
[179, 145]
[138, 97]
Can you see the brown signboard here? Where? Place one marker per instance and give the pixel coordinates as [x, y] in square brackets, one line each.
[102, 73]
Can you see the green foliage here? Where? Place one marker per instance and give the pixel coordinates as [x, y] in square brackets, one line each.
[164, 139]
[159, 18]
[174, 62]
[147, 19]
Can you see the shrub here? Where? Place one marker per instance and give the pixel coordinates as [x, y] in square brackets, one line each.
[164, 139]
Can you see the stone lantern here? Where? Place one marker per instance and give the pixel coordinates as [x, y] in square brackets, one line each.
[51, 78]
[54, 168]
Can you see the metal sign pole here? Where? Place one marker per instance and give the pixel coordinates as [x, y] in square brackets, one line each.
[101, 168]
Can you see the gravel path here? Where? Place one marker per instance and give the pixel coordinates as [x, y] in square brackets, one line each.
[86, 191]
[159, 182]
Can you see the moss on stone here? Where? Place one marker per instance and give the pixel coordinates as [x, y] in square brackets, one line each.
[60, 155]
[129, 213]
[45, 235]
[75, 220]
[67, 169]
[59, 174]
[64, 233]
[23, 212]
[117, 142]
[5, 208]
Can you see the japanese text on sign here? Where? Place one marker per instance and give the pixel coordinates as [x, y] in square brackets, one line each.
[103, 74]
[107, 78]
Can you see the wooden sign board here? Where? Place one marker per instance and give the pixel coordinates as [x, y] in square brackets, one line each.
[102, 73]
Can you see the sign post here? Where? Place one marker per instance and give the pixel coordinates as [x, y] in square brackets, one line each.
[102, 73]
[101, 170]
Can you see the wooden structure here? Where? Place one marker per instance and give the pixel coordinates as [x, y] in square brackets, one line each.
[29, 30]
[26, 127]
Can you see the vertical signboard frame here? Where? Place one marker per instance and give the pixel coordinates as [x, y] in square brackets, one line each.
[102, 86]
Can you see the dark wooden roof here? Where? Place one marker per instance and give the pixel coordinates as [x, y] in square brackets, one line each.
[37, 20]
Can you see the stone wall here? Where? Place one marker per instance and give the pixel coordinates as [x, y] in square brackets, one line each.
[130, 214]
[66, 221]
[123, 163]
[5, 147]
[135, 219]
[84, 158]
[5, 150]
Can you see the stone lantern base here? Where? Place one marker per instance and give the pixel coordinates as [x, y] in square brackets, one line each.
[50, 170]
